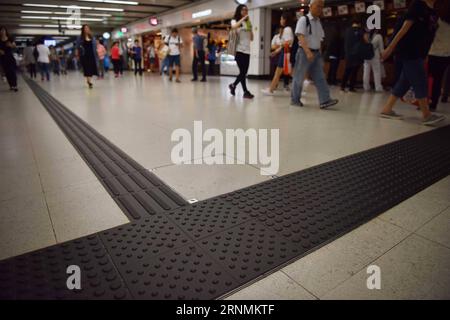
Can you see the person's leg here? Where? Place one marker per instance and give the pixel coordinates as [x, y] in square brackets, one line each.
[366, 74]
[318, 76]
[10, 73]
[436, 68]
[47, 71]
[246, 64]
[353, 76]
[41, 70]
[334, 64]
[135, 66]
[376, 67]
[299, 73]
[446, 87]
[240, 62]
[202, 64]
[347, 72]
[194, 68]
[139, 62]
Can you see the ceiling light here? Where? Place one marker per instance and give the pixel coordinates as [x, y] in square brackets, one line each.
[36, 12]
[35, 17]
[40, 5]
[109, 9]
[30, 25]
[131, 3]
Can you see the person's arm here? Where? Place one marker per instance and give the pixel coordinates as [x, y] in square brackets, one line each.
[300, 31]
[239, 23]
[399, 36]
[380, 43]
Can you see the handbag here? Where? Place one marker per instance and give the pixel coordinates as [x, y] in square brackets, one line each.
[287, 60]
[233, 38]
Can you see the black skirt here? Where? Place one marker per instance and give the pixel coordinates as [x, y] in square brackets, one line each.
[87, 59]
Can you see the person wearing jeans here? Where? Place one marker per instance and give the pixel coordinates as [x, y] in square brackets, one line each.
[137, 57]
[43, 60]
[411, 44]
[241, 24]
[309, 59]
[199, 55]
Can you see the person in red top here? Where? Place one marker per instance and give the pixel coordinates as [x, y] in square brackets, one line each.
[115, 58]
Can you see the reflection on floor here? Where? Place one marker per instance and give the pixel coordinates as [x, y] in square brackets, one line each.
[43, 178]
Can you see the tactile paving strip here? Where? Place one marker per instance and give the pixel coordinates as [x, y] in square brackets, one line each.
[210, 248]
[43, 274]
[123, 177]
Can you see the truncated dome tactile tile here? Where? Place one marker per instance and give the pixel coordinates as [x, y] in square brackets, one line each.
[210, 248]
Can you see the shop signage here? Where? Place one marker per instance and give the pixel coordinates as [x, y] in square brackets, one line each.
[379, 3]
[201, 14]
[124, 30]
[399, 4]
[327, 12]
[343, 10]
[360, 7]
[153, 21]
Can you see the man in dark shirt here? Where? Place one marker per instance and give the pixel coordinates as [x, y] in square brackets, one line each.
[411, 45]
[199, 55]
[137, 57]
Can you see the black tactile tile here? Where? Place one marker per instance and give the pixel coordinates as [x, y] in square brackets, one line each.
[149, 237]
[207, 217]
[250, 249]
[42, 274]
[184, 273]
[119, 174]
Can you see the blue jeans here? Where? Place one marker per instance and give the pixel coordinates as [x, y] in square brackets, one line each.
[413, 75]
[315, 70]
[43, 69]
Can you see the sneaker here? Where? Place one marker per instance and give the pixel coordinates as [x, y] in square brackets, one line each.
[329, 103]
[391, 115]
[170, 78]
[194, 79]
[286, 88]
[267, 92]
[232, 89]
[297, 104]
[433, 119]
[248, 95]
[177, 80]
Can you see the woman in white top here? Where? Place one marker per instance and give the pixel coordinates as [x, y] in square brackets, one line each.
[241, 24]
[284, 38]
[439, 58]
[375, 63]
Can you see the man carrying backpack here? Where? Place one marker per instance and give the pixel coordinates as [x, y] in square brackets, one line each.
[309, 58]
[174, 42]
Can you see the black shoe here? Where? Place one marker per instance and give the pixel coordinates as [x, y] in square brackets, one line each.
[194, 79]
[232, 89]
[203, 80]
[444, 99]
[248, 95]
[297, 104]
[90, 85]
[329, 103]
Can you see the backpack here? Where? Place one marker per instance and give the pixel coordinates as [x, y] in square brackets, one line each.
[35, 53]
[295, 45]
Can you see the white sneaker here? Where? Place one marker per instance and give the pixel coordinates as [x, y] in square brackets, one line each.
[267, 92]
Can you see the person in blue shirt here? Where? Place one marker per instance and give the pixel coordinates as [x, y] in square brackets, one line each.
[137, 57]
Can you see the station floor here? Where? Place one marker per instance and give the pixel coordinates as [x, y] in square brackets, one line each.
[49, 195]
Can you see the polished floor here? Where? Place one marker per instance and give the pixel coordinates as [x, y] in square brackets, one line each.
[49, 195]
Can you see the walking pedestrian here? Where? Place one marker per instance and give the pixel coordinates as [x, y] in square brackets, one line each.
[242, 25]
[115, 58]
[412, 44]
[439, 56]
[7, 59]
[333, 54]
[43, 59]
[198, 42]
[281, 44]
[353, 58]
[137, 57]
[87, 48]
[30, 59]
[101, 53]
[309, 58]
[375, 64]
[62, 55]
[174, 42]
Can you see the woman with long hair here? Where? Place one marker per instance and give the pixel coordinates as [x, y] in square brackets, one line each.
[87, 49]
[241, 24]
[7, 59]
[280, 41]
